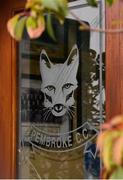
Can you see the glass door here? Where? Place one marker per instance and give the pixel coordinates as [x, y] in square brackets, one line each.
[62, 98]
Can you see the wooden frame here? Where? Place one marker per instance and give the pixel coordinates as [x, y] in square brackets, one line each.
[8, 93]
[114, 61]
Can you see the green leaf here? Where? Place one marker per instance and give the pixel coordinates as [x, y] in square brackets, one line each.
[35, 26]
[107, 152]
[31, 22]
[19, 29]
[41, 21]
[63, 7]
[50, 4]
[50, 28]
[92, 3]
[12, 24]
[118, 147]
[110, 2]
[117, 174]
[32, 3]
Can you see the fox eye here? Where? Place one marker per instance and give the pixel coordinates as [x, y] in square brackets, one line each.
[67, 86]
[50, 88]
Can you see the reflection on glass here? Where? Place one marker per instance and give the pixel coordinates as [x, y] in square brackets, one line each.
[60, 101]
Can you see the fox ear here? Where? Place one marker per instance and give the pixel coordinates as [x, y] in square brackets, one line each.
[44, 59]
[73, 56]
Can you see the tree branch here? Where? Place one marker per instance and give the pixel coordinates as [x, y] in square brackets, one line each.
[86, 27]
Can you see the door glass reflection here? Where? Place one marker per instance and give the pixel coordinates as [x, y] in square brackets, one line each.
[62, 99]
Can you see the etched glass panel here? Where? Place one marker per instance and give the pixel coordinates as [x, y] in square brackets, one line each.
[62, 98]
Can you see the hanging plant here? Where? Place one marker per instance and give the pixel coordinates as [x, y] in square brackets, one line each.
[33, 18]
[34, 21]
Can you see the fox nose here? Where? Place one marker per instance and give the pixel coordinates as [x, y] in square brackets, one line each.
[58, 108]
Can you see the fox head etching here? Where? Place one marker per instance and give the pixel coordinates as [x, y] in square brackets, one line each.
[59, 82]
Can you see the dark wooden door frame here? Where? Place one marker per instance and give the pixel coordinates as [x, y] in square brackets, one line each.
[8, 81]
[8, 92]
[114, 61]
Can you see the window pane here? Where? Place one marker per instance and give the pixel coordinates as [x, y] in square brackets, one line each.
[62, 98]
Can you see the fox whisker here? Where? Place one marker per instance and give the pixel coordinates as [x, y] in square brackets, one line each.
[45, 112]
[73, 113]
[73, 107]
[48, 114]
[44, 109]
[70, 115]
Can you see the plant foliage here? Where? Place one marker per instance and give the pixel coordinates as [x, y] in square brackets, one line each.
[33, 17]
[110, 144]
[94, 3]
